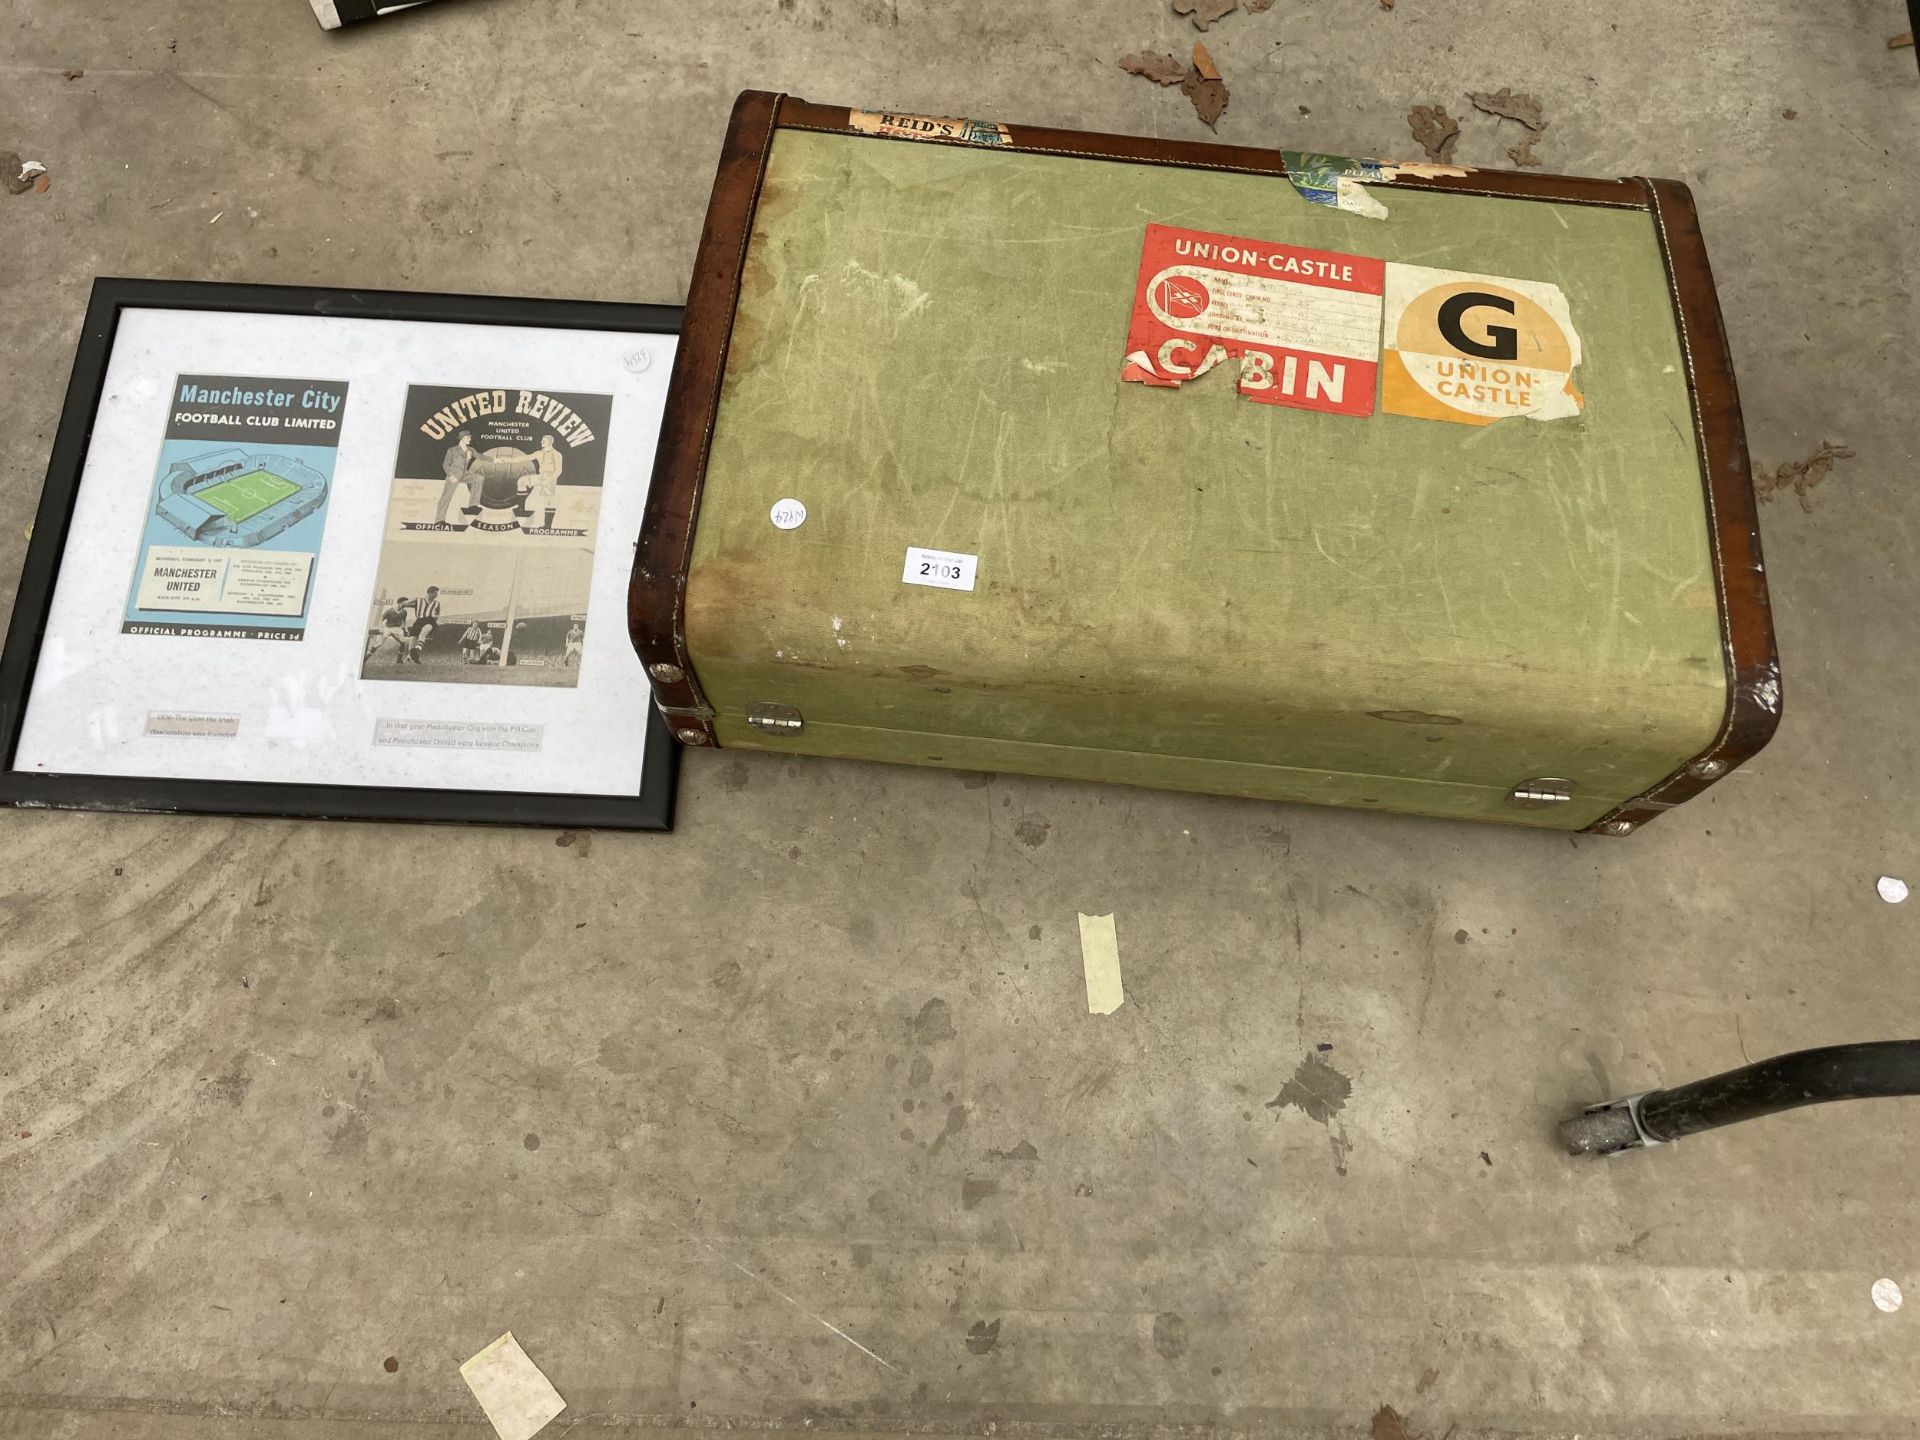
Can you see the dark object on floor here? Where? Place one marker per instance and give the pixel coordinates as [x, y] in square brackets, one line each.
[332, 14]
[1786, 1082]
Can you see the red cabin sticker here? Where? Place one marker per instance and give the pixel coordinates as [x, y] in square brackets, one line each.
[1304, 325]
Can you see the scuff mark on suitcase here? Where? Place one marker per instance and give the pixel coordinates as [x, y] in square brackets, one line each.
[1414, 717]
[1765, 692]
[910, 298]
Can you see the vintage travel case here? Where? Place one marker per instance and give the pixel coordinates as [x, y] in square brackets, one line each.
[1205, 467]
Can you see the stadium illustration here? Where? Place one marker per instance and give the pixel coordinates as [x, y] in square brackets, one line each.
[238, 498]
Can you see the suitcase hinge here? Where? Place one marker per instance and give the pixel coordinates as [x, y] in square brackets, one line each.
[1541, 794]
[778, 719]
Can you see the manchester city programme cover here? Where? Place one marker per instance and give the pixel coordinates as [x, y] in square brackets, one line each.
[238, 508]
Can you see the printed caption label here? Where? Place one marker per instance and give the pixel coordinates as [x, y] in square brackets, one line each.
[1304, 325]
[457, 734]
[942, 569]
[192, 725]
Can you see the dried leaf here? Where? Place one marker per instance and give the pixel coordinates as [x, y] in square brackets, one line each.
[1902, 41]
[1209, 97]
[1389, 1424]
[1436, 130]
[1204, 12]
[1203, 62]
[1256, 6]
[1801, 476]
[72, 74]
[1386, 4]
[1509, 106]
[1522, 154]
[1161, 69]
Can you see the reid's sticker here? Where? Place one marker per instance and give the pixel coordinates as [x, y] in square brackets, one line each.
[1303, 324]
[789, 514]
[943, 569]
[1473, 349]
[928, 127]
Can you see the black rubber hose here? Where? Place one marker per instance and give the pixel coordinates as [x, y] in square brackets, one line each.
[1786, 1082]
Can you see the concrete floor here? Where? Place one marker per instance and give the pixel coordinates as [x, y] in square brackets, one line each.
[681, 1111]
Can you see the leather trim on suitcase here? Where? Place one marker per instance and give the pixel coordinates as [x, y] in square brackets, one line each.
[657, 596]
[1733, 519]
[797, 114]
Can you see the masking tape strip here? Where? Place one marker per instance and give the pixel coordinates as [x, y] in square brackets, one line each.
[1100, 955]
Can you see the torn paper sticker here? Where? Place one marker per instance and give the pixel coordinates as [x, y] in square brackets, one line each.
[518, 1399]
[1304, 324]
[928, 127]
[1336, 180]
[1100, 956]
[1477, 348]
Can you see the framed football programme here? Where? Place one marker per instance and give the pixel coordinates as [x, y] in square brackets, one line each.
[343, 553]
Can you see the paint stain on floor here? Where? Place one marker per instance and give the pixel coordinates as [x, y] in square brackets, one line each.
[983, 1336]
[1317, 1089]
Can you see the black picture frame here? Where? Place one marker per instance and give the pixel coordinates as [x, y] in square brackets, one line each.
[650, 809]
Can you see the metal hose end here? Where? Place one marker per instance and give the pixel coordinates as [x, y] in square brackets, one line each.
[1602, 1130]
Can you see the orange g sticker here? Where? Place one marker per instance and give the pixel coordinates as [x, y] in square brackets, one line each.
[1473, 349]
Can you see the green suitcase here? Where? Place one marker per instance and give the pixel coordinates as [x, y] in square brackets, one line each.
[1205, 468]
